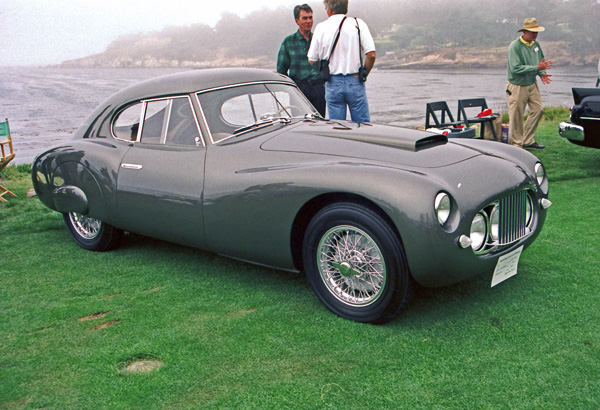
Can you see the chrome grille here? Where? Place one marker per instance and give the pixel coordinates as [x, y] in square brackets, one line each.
[513, 218]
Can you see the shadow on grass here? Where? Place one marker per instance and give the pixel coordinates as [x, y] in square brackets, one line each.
[428, 305]
[196, 259]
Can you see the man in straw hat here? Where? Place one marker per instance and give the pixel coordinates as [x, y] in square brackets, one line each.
[525, 62]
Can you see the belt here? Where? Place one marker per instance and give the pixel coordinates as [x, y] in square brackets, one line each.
[345, 75]
[313, 82]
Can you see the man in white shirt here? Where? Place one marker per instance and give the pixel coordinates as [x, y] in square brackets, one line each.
[344, 88]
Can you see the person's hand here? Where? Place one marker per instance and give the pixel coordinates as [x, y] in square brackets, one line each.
[544, 65]
[546, 78]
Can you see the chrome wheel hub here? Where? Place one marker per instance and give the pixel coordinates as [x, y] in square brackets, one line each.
[351, 265]
[87, 228]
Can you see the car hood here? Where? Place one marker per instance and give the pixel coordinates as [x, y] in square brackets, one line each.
[372, 142]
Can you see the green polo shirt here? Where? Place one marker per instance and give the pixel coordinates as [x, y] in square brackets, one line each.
[523, 60]
[292, 60]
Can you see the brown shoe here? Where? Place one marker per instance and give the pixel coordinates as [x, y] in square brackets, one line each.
[534, 145]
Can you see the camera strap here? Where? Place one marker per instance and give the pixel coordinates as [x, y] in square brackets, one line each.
[359, 43]
[337, 37]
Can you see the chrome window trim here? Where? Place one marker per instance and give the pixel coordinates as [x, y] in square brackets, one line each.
[210, 137]
[141, 123]
[143, 116]
[196, 121]
[165, 126]
[224, 87]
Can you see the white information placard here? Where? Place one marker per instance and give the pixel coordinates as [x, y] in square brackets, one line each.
[507, 266]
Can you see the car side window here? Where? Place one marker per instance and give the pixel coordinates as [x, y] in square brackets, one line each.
[156, 119]
[127, 124]
[182, 129]
[164, 121]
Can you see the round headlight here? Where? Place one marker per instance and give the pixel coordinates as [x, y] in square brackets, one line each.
[442, 207]
[528, 211]
[540, 173]
[478, 232]
[495, 223]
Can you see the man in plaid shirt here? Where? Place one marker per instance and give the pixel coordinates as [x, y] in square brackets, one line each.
[292, 60]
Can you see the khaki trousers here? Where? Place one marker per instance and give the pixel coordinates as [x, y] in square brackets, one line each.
[519, 98]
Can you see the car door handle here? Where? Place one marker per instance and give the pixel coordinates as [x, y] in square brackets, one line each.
[131, 166]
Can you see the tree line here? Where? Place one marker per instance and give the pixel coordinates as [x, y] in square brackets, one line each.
[398, 26]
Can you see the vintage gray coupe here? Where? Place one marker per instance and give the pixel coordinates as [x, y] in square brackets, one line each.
[237, 162]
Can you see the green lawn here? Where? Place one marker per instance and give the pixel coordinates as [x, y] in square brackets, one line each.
[235, 336]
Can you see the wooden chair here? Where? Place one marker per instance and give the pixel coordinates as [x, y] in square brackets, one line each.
[480, 104]
[7, 154]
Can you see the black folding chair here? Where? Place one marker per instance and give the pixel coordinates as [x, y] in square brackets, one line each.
[440, 107]
[481, 105]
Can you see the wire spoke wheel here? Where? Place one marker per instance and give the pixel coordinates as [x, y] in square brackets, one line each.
[356, 264]
[351, 265]
[86, 227]
[90, 233]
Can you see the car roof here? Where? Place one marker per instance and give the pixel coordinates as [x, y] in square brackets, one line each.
[195, 80]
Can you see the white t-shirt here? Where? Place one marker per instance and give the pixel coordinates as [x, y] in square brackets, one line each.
[345, 59]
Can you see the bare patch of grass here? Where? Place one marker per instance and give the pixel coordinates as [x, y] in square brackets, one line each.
[106, 324]
[94, 316]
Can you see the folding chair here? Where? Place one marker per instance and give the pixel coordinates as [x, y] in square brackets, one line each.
[481, 105]
[7, 155]
[458, 129]
[444, 111]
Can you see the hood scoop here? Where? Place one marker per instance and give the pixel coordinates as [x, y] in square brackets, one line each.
[361, 133]
[396, 141]
[388, 135]
[369, 142]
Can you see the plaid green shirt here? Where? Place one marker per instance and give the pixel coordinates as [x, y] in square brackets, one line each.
[292, 58]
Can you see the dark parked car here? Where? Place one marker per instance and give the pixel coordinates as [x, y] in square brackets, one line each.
[584, 128]
[237, 162]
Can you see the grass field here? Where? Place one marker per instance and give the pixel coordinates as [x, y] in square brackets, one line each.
[235, 336]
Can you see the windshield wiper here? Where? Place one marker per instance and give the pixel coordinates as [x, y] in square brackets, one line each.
[261, 124]
[257, 125]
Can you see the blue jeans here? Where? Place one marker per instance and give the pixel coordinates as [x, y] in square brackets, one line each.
[347, 90]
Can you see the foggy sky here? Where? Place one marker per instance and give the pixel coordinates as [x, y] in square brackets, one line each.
[43, 32]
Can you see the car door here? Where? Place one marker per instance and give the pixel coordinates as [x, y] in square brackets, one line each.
[161, 177]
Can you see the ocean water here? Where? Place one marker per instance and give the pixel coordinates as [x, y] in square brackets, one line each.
[45, 106]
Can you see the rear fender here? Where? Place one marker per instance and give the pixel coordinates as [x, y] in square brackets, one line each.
[70, 187]
[80, 189]
[70, 199]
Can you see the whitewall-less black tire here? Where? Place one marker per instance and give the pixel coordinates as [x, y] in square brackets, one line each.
[92, 234]
[356, 263]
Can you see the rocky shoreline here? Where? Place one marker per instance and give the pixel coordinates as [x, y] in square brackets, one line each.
[455, 57]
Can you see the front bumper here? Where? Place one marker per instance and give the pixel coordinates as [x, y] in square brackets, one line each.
[571, 132]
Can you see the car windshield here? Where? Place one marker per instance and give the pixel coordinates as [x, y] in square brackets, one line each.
[251, 107]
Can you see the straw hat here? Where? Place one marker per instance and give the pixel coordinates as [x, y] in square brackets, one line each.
[531, 24]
